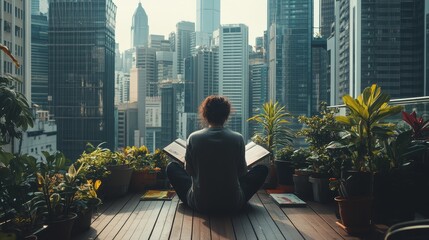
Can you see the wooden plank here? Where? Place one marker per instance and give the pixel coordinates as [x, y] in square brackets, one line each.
[200, 226]
[144, 231]
[309, 224]
[284, 224]
[134, 221]
[187, 223]
[115, 225]
[176, 230]
[262, 223]
[164, 223]
[221, 228]
[327, 213]
[103, 220]
[242, 227]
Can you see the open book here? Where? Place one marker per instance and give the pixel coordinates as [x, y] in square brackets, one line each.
[254, 152]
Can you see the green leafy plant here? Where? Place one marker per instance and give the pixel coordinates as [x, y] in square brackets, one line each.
[364, 124]
[57, 188]
[17, 207]
[140, 159]
[274, 134]
[319, 131]
[97, 159]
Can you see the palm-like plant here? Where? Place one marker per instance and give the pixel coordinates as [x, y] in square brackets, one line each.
[274, 133]
[364, 122]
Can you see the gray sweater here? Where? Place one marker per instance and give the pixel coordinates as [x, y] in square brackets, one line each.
[215, 159]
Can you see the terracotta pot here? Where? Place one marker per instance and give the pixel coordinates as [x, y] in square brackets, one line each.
[59, 229]
[355, 213]
[118, 181]
[142, 180]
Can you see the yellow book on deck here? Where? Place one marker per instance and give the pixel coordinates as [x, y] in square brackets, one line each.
[152, 195]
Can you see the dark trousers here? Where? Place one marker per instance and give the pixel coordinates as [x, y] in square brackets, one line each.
[250, 183]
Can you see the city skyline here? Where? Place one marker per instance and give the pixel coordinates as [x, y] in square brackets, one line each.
[163, 20]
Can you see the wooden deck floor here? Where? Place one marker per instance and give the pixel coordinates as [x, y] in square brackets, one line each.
[129, 218]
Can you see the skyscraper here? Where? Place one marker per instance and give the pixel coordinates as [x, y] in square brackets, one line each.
[183, 44]
[290, 37]
[383, 43]
[200, 82]
[327, 17]
[81, 76]
[232, 41]
[208, 20]
[139, 28]
[14, 34]
[39, 55]
[258, 86]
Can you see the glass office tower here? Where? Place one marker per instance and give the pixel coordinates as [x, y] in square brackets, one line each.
[81, 72]
[290, 38]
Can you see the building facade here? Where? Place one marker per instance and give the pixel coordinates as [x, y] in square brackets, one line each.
[232, 41]
[81, 76]
[139, 28]
[39, 63]
[183, 45]
[381, 42]
[290, 43]
[208, 20]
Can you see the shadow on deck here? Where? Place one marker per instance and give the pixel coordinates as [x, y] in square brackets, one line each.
[130, 218]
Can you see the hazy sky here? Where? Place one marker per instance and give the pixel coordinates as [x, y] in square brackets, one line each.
[164, 14]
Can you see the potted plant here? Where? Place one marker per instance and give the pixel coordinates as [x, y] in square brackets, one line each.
[420, 165]
[57, 189]
[318, 132]
[111, 168]
[144, 169]
[273, 134]
[18, 211]
[84, 204]
[302, 186]
[285, 167]
[364, 128]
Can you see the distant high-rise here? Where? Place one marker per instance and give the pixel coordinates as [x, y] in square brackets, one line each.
[15, 34]
[139, 28]
[171, 103]
[159, 43]
[35, 7]
[39, 63]
[327, 17]
[383, 43]
[200, 82]
[232, 41]
[164, 65]
[258, 86]
[290, 38]
[208, 20]
[145, 58]
[81, 76]
[183, 44]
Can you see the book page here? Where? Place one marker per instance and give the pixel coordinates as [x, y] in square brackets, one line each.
[254, 153]
[177, 150]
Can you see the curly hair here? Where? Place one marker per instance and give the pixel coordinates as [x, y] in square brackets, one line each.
[215, 110]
